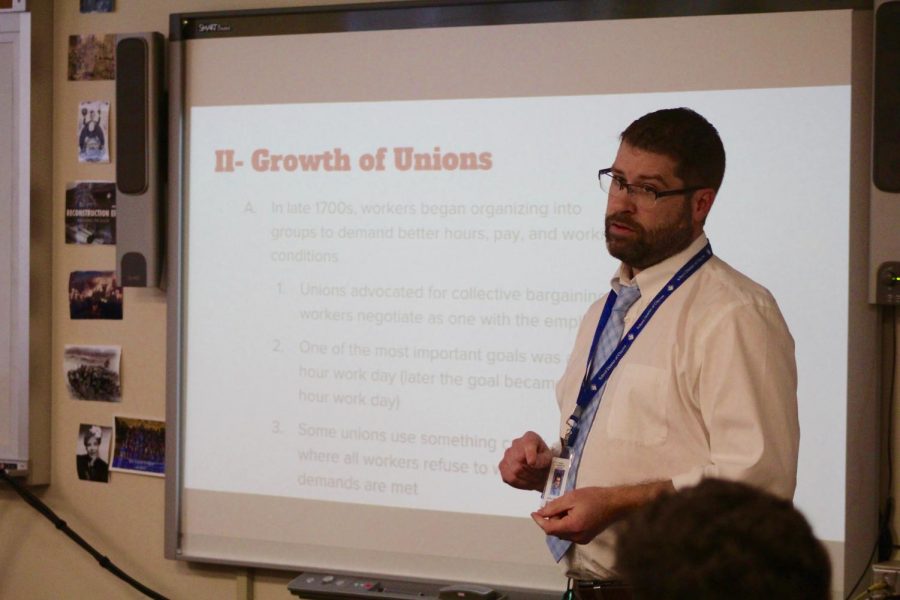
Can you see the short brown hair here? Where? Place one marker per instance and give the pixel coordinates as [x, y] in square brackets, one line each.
[687, 138]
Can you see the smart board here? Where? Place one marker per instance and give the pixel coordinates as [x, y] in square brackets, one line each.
[387, 225]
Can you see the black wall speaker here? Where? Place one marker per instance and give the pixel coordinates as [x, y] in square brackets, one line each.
[886, 115]
[884, 187]
[140, 160]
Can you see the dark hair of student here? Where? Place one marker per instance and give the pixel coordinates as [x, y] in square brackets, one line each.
[722, 539]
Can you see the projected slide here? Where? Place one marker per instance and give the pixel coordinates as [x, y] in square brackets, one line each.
[383, 294]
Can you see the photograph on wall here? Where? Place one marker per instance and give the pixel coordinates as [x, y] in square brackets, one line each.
[92, 452]
[95, 295]
[92, 57]
[93, 132]
[140, 446]
[92, 372]
[91, 212]
[98, 6]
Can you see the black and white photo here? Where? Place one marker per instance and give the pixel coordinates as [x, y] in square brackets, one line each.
[93, 132]
[92, 372]
[92, 452]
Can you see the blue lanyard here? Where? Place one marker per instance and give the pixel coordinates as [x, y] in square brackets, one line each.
[591, 385]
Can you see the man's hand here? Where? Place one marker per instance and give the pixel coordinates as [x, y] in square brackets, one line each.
[526, 463]
[582, 514]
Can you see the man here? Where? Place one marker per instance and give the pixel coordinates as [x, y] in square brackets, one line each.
[722, 539]
[706, 386]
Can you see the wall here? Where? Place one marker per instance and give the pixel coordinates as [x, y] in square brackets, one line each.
[124, 518]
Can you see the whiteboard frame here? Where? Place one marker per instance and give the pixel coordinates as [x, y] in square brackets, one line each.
[15, 28]
[861, 462]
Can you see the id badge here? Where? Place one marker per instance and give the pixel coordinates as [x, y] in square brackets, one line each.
[556, 479]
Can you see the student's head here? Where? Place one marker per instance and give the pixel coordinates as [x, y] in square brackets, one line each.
[718, 540]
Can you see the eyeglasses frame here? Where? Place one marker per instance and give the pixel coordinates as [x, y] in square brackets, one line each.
[657, 195]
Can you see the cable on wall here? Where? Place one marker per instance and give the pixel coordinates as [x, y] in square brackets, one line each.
[104, 561]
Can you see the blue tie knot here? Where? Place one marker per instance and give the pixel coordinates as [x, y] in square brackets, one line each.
[628, 295]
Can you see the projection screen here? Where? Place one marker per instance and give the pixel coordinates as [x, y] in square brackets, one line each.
[385, 232]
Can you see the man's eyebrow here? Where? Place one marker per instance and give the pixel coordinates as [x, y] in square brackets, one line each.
[642, 178]
[657, 178]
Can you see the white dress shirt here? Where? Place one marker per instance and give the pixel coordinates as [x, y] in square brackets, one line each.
[708, 389]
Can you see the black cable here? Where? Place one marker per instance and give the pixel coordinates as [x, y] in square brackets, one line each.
[104, 561]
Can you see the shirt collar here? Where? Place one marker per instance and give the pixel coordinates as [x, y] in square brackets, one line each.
[652, 279]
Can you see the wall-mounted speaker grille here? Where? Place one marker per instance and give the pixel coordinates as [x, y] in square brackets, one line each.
[886, 117]
[132, 55]
[140, 158]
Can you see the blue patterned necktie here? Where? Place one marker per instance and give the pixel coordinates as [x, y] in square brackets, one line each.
[609, 339]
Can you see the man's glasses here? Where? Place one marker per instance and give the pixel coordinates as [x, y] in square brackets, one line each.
[640, 192]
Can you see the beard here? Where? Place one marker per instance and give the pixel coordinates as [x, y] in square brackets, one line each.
[647, 247]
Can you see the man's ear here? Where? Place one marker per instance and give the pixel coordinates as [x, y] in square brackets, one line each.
[703, 201]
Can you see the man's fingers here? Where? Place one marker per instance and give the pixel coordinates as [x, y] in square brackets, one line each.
[557, 525]
[525, 462]
[531, 455]
[538, 457]
[541, 522]
[555, 508]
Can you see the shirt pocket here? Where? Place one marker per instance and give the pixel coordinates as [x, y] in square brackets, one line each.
[638, 406]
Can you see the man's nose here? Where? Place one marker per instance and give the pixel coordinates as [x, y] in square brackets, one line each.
[623, 202]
